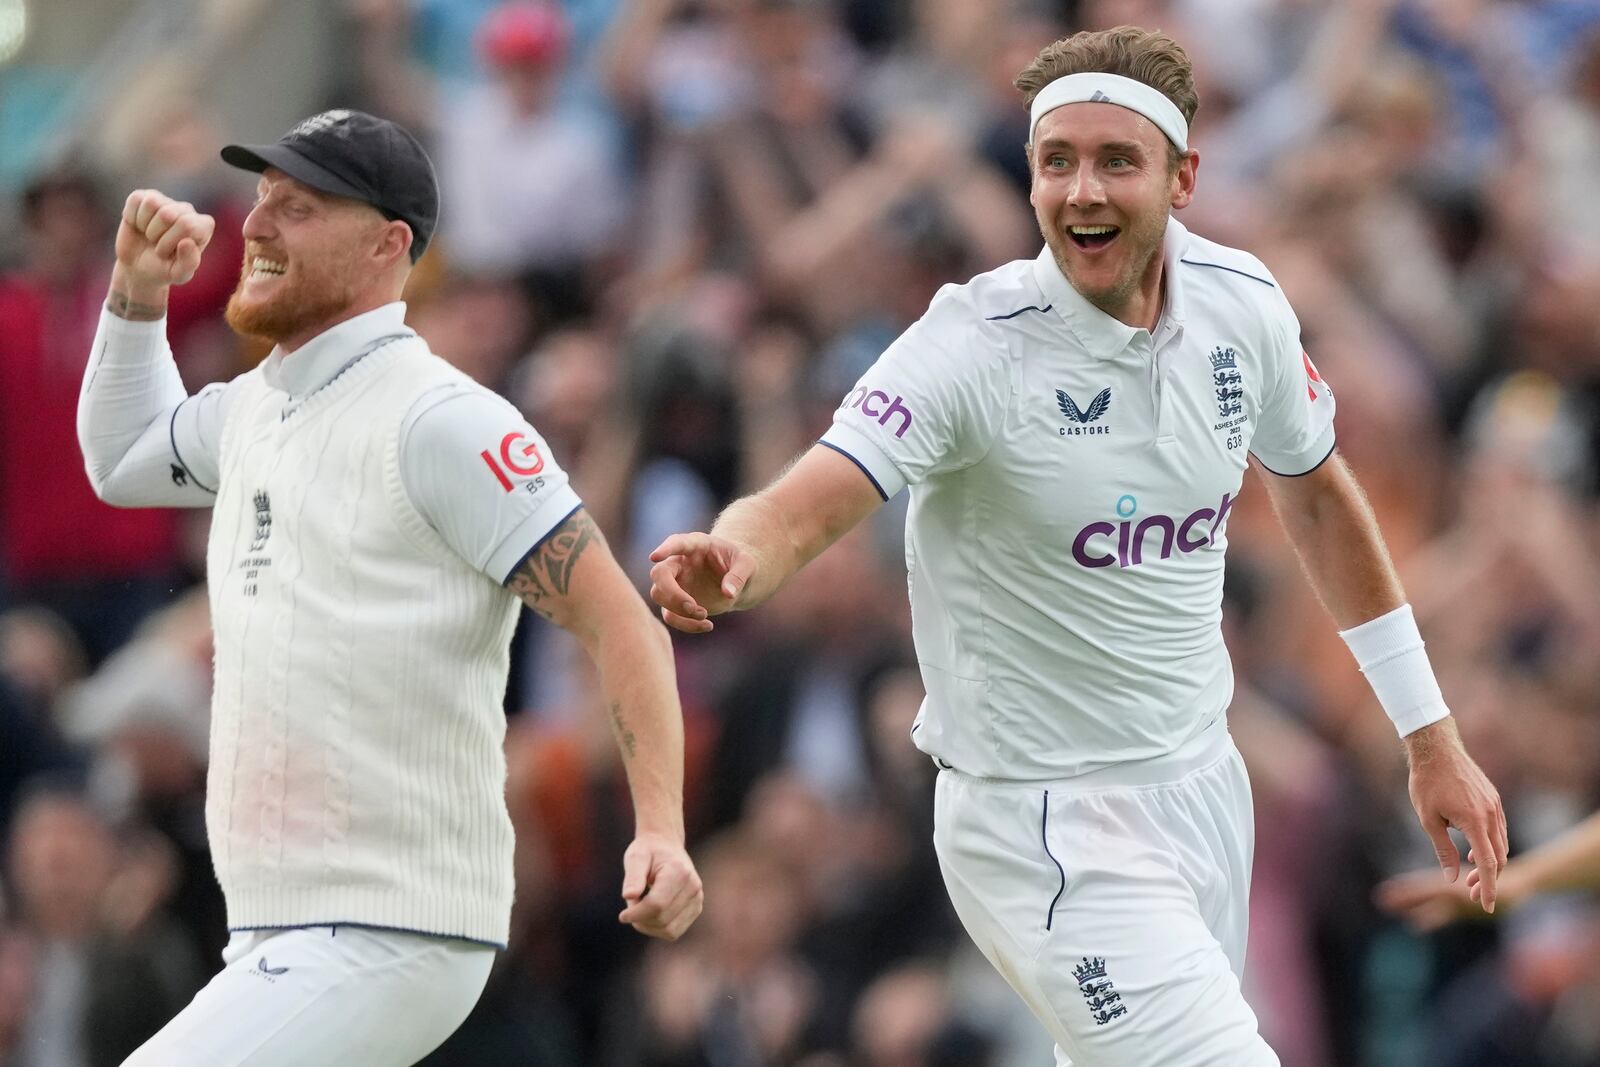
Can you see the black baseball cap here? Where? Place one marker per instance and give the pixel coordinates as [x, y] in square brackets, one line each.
[354, 154]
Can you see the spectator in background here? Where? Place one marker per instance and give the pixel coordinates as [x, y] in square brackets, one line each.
[735, 994]
[796, 700]
[1564, 135]
[906, 1019]
[40, 656]
[108, 966]
[100, 568]
[528, 187]
[144, 716]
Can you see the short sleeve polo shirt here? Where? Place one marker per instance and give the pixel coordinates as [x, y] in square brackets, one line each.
[1071, 479]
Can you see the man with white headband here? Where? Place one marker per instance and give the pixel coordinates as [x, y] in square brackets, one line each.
[1074, 430]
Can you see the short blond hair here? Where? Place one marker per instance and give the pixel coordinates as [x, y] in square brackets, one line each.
[1148, 56]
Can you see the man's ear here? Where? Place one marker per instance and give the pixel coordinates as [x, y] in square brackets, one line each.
[1183, 187]
[396, 241]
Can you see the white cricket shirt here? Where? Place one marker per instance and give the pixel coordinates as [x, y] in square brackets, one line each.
[1071, 478]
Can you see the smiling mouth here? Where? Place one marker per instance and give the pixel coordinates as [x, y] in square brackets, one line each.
[262, 266]
[1090, 238]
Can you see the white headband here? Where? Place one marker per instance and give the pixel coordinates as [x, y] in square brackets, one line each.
[1094, 88]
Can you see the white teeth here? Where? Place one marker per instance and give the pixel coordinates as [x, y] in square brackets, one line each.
[267, 266]
[1090, 231]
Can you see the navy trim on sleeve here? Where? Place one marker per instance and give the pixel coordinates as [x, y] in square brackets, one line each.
[858, 463]
[172, 438]
[1308, 470]
[1230, 270]
[1014, 314]
[539, 544]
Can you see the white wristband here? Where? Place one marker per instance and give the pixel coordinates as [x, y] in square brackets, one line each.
[1390, 653]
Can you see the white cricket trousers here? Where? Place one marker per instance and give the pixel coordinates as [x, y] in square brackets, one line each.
[1115, 903]
[340, 996]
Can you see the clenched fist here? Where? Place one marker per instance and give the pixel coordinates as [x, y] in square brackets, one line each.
[160, 239]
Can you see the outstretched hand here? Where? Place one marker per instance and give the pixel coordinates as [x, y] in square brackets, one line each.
[1448, 789]
[697, 576]
[661, 888]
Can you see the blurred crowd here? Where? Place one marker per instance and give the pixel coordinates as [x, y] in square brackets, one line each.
[674, 233]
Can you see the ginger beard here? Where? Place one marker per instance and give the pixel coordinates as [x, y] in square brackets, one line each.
[279, 306]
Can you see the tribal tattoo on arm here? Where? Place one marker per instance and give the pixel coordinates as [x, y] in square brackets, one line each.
[547, 572]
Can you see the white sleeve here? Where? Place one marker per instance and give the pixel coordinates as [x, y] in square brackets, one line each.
[923, 408]
[1294, 433]
[145, 441]
[482, 477]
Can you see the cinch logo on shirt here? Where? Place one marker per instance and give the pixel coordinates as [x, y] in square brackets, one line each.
[872, 405]
[1178, 535]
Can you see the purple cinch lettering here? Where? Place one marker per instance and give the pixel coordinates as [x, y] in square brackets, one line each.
[1186, 545]
[1168, 531]
[1222, 516]
[1081, 542]
[897, 408]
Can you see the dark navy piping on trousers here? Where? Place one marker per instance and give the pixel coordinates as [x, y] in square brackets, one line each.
[1044, 828]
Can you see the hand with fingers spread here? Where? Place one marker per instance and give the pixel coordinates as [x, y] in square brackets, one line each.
[661, 887]
[160, 240]
[696, 576]
[1448, 789]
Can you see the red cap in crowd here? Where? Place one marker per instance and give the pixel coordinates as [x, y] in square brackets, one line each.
[522, 32]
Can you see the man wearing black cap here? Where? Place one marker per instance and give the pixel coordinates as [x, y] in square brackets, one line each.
[377, 515]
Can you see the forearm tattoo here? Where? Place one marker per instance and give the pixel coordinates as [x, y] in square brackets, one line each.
[547, 572]
[624, 735]
[123, 308]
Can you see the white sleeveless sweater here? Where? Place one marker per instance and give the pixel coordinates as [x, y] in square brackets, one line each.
[357, 773]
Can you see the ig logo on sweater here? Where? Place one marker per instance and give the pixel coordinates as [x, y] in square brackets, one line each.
[520, 457]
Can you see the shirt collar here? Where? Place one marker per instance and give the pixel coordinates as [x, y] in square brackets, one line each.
[1101, 335]
[315, 363]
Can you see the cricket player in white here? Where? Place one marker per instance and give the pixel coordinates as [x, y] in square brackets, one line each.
[1074, 431]
[376, 518]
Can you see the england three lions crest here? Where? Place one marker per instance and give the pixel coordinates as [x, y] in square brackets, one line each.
[1100, 995]
[1227, 381]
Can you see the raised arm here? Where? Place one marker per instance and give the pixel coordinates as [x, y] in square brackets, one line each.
[760, 541]
[132, 440]
[1336, 537]
[573, 580]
